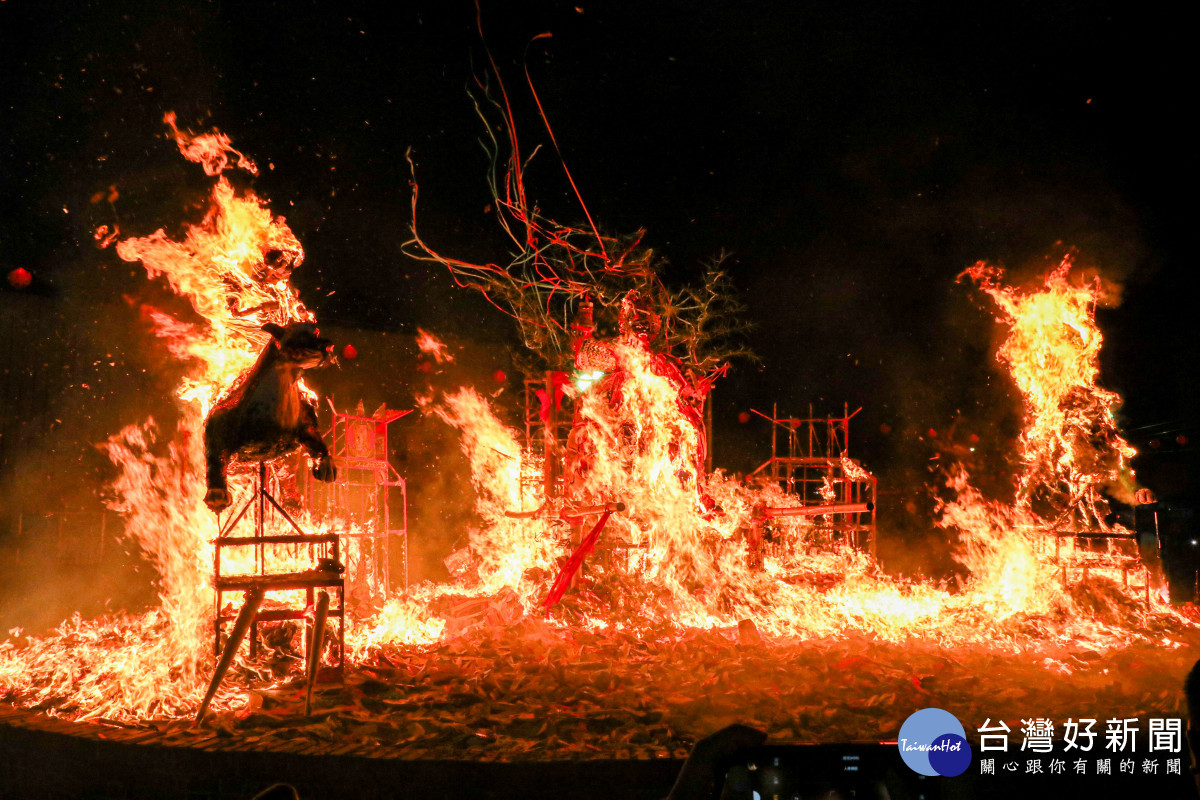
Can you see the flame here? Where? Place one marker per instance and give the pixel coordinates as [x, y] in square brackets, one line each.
[672, 557]
[428, 343]
[1070, 451]
[999, 546]
[1070, 446]
[210, 150]
[506, 548]
[676, 556]
[232, 266]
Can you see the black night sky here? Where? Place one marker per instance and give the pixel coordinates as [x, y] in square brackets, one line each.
[852, 158]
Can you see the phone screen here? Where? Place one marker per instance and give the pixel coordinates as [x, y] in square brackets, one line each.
[827, 772]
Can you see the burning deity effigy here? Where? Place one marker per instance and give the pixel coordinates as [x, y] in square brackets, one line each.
[605, 365]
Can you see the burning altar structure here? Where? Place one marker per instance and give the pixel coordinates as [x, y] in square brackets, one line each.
[367, 504]
[295, 574]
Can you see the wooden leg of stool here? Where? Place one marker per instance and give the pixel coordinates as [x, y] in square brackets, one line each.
[342, 633]
[315, 648]
[249, 611]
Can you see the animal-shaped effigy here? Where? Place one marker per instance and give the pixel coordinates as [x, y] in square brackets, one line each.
[265, 416]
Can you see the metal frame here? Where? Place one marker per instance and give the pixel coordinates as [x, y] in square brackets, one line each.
[324, 549]
[358, 503]
[815, 447]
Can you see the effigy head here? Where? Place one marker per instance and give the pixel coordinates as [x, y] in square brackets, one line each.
[637, 317]
[300, 343]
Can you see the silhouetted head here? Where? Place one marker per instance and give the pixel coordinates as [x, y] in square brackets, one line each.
[300, 343]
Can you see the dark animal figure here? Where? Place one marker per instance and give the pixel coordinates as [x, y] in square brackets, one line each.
[264, 416]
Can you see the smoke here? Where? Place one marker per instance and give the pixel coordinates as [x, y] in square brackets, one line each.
[391, 368]
[80, 364]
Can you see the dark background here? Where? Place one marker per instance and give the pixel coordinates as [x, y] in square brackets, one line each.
[852, 158]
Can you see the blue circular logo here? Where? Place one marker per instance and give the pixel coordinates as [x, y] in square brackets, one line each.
[933, 742]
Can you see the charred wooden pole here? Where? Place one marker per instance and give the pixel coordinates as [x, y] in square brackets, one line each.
[816, 511]
[315, 648]
[708, 434]
[254, 598]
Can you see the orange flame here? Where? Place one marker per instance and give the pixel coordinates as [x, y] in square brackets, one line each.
[671, 557]
[210, 150]
[676, 554]
[1070, 446]
[1070, 451]
[233, 268]
[428, 343]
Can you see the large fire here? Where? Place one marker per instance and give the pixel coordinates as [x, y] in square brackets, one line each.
[233, 269]
[673, 558]
[1070, 448]
[1070, 445]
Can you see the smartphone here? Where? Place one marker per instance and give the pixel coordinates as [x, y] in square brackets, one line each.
[868, 771]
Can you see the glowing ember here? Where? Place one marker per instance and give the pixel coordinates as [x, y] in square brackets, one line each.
[20, 278]
[428, 343]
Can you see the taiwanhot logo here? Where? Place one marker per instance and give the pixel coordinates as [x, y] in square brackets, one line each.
[933, 742]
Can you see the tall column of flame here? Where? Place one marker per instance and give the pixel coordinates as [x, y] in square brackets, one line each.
[233, 268]
[1070, 446]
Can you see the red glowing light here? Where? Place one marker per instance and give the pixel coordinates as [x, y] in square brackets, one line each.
[19, 278]
[349, 352]
[744, 417]
[499, 377]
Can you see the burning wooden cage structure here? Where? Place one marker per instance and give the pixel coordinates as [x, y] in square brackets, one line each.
[820, 480]
[547, 426]
[813, 469]
[368, 502]
[349, 548]
[1078, 550]
[294, 575]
